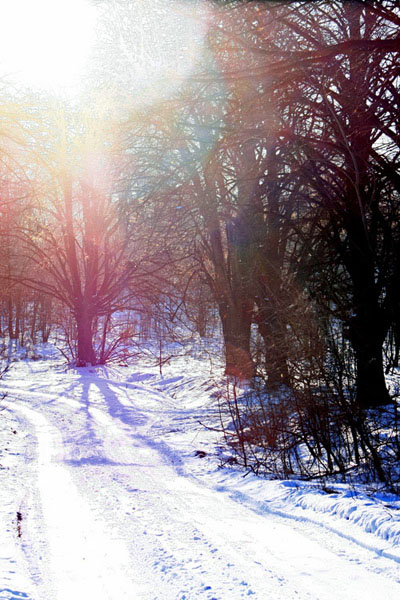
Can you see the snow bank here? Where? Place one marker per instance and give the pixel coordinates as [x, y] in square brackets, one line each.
[370, 519]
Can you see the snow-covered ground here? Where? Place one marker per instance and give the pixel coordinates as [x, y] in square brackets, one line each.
[110, 488]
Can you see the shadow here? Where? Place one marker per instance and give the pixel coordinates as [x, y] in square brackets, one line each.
[90, 432]
[132, 417]
[128, 415]
[168, 456]
[7, 594]
[162, 383]
[80, 436]
[140, 377]
[85, 439]
[101, 462]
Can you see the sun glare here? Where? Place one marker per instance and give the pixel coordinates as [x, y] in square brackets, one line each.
[45, 44]
[154, 48]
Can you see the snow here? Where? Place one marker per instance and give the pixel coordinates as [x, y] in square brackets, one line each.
[111, 488]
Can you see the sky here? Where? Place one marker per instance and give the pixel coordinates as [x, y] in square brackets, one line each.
[45, 44]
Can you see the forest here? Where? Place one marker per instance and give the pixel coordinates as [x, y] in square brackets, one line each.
[237, 181]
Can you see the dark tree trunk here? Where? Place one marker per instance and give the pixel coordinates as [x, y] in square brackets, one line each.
[10, 319]
[45, 318]
[34, 319]
[273, 334]
[18, 323]
[201, 315]
[86, 354]
[369, 325]
[371, 385]
[236, 327]
[367, 333]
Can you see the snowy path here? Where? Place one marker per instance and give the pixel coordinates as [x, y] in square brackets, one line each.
[113, 514]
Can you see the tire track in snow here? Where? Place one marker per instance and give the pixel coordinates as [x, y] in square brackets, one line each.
[223, 530]
[15, 578]
[330, 547]
[196, 541]
[86, 561]
[180, 559]
[349, 532]
[183, 561]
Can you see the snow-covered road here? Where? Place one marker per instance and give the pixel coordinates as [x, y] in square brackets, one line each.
[110, 509]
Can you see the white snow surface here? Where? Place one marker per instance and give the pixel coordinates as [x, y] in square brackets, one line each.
[111, 488]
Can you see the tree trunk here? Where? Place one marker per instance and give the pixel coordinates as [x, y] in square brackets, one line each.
[17, 319]
[34, 319]
[367, 336]
[86, 354]
[45, 318]
[273, 333]
[370, 324]
[371, 385]
[236, 331]
[10, 318]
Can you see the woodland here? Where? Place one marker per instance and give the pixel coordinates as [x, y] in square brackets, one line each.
[249, 193]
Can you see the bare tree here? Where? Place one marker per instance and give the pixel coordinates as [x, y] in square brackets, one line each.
[74, 236]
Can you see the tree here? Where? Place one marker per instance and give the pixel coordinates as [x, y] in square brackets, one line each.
[347, 151]
[74, 235]
[16, 194]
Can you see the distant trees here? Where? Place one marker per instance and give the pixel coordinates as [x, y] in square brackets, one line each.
[16, 195]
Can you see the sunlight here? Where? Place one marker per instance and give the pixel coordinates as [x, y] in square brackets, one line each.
[154, 48]
[45, 44]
